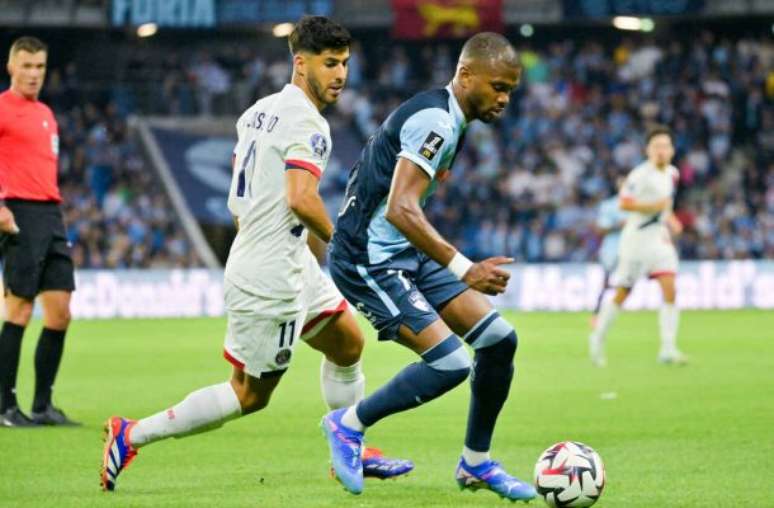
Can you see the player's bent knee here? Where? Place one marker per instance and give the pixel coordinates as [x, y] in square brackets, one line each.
[493, 330]
[59, 321]
[506, 348]
[252, 402]
[252, 393]
[349, 353]
[19, 314]
[450, 363]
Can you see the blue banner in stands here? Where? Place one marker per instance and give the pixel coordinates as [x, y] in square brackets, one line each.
[241, 12]
[605, 8]
[167, 13]
[201, 167]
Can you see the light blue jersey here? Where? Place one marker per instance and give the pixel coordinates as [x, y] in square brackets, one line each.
[427, 130]
[610, 216]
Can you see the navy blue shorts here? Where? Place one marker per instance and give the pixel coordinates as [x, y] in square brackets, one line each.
[409, 289]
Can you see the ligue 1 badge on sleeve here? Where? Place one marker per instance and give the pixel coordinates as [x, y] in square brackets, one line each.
[319, 145]
[431, 145]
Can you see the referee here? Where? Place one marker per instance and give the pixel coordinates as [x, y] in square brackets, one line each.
[36, 255]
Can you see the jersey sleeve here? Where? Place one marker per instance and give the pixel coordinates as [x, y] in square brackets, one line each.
[605, 219]
[675, 178]
[633, 186]
[238, 202]
[425, 138]
[309, 145]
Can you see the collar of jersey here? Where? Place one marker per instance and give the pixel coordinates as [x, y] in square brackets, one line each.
[459, 116]
[19, 99]
[300, 92]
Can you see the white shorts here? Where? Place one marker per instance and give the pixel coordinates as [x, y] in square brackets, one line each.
[654, 260]
[261, 333]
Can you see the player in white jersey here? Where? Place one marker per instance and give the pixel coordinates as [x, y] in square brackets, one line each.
[646, 244]
[274, 289]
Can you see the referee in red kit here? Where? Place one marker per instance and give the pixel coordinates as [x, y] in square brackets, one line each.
[35, 252]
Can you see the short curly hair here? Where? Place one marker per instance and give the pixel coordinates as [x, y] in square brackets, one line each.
[315, 34]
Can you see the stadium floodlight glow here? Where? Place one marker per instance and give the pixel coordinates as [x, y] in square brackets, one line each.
[526, 30]
[627, 23]
[147, 30]
[647, 25]
[282, 29]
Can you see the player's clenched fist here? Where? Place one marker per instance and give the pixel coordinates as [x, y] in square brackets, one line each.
[487, 276]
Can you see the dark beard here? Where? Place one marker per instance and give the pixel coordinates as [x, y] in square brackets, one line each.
[318, 90]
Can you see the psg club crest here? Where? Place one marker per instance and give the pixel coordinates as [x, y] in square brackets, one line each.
[283, 356]
[319, 145]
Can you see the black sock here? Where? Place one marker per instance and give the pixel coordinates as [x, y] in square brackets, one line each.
[47, 358]
[490, 383]
[10, 349]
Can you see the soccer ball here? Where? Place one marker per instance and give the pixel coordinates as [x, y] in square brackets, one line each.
[570, 474]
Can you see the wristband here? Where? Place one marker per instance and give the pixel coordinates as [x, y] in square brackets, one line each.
[459, 265]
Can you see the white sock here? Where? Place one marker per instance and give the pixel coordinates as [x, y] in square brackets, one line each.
[351, 420]
[203, 410]
[607, 315]
[474, 458]
[668, 319]
[341, 386]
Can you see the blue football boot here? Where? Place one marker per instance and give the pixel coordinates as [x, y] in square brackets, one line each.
[376, 465]
[490, 475]
[346, 447]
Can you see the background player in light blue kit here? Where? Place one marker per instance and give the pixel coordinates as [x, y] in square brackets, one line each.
[610, 220]
[414, 286]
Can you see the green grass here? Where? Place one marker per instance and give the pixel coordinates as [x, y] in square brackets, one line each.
[700, 435]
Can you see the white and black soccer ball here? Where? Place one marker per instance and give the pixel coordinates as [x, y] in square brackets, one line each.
[570, 474]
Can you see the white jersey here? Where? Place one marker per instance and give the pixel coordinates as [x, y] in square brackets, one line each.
[649, 184]
[281, 131]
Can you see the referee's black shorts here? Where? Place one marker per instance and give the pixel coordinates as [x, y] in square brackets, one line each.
[38, 257]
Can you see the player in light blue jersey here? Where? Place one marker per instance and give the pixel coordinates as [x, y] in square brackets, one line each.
[415, 287]
[610, 220]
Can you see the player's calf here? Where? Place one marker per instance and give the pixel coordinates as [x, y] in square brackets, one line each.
[495, 343]
[443, 367]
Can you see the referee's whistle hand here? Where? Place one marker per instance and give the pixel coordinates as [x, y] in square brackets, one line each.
[7, 221]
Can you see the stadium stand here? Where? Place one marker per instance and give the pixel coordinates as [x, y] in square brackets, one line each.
[527, 187]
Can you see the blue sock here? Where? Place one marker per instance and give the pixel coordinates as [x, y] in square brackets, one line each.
[443, 367]
[495, 343]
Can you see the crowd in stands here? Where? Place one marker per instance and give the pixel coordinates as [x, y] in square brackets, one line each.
[117, 215]
[527, 187]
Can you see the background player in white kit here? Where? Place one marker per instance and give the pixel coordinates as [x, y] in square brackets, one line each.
[646, 244]
[274, 289]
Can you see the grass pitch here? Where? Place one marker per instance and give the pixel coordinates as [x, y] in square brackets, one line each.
[690, 436]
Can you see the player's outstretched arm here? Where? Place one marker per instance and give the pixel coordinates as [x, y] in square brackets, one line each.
[409, 183]
[674, 225]
[305, 201]
[630, 204]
